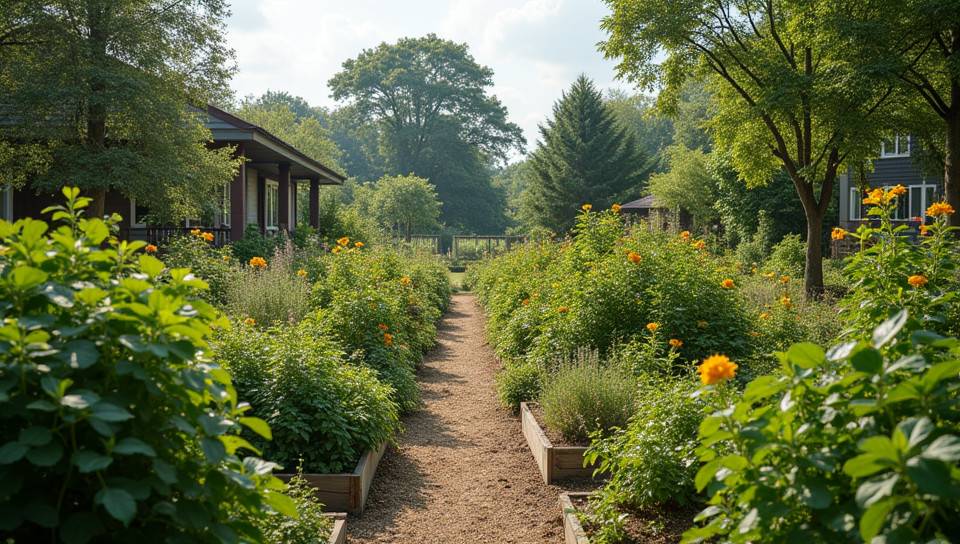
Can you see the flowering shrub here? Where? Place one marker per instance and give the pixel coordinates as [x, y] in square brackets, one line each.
[111, 414]
[269, 293]
[214, 266]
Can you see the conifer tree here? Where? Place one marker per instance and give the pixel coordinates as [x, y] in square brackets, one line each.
[585, 157]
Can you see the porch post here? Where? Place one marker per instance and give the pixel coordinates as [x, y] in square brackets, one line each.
[315, 203]
[283, 207]
[238, 198]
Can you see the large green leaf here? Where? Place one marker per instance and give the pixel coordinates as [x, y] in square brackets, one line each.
[118, 503]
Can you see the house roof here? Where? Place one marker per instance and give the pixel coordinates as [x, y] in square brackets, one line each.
[645, 203]
[265, 151]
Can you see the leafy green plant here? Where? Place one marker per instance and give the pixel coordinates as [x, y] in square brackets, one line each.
[310, 526]
[214, 266]
[115, 426]
[586, 397]
[251, 244]
[787, 257]
[519, 381]
[861, 442]
[272, 294]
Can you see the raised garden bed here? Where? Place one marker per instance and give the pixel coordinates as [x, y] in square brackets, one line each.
[346, 491]
[555, 462]
[339, 533]
[572, 530]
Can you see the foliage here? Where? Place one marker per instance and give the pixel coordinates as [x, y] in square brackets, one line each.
[300, 127]
[636, 112]
[686, 184]
[876, 458]
[112, 414]
[650, 462]
[309, 527]
[787, 257]
[405, 200]
[293, 375]
[271, 295]
[519, 381]
[214, 266]
[96, 95]
[586, 157]
[587, 398]
[251, 244]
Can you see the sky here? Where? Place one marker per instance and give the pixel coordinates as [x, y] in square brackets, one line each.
[536, 48]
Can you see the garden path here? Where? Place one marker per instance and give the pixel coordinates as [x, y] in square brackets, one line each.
[463, 472]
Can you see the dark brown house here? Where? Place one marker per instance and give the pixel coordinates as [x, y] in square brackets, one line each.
[263, 192]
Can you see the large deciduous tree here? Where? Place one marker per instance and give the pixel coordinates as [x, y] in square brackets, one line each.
[790, 91]
[95, 94]
[585, 157]
[428, 99]
[408, 201]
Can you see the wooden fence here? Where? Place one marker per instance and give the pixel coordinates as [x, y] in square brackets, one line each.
[478, 247]
[161, 235]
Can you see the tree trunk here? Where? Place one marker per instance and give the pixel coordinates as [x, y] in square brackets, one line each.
[96, 207]
[96, 110]
[813, 281]
[408, 232]
[951, 173]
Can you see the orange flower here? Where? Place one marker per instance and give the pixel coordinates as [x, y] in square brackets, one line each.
[388, 337]
[765, 316]
[917, 281]
[404, 346]
[727, 284]
[875, 197]
[785, 299]
[771, 275]
[258, 262]
[924, 230]
[358, 244]
[208, 236]
[383, 327]
[226, 257]
[652, 327]
[898, 190]
[553, 235]
[701, 324]
[343, 241]
[404, 280]
[150, 248]
[634, 257]
[301, 272]
[336, 249]
[389, 342]
[785, 279]
[615, 208]
[939, 208]
[195, 232]
[716, 368]
[249, 321]
[563, 309]
[699, 244]
[837, 233]
[685, 235]
[675, 343]
[587, 207]
[525, 301]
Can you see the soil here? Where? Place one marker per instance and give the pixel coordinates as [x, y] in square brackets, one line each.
[663, 524]
[463, 472]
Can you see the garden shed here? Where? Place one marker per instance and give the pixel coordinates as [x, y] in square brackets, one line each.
[651, 210]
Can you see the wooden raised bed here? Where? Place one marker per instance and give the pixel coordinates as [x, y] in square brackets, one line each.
[572, 530]
[555, 462]
[346, 491]
[339, 533]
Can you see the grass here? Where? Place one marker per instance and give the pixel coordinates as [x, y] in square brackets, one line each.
[456, 280]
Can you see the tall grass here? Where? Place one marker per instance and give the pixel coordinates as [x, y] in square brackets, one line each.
[272, 295]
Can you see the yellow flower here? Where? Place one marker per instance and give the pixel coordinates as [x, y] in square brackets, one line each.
[837, 233]
[652, 326]
[615, 208]
[250, 321]
[343, 241]
[765, 316]
[301, 272]
[924, 230]
[699, 244]
[875, 197]
[898, 190]
[208, 236]
[771, 275]
[701, 324]
[358, 244]
[150, 248]
[258, 262]
[634, 257]
[917, 281]
[727, 284]
[336, 249]
[195, 232]
[939, 208]
[675, 343]
[587, 207]
[563, 309]
[685, 235]
[226, 257]
[785, 299]
[404, 280]
[716, 368]
[785, 279]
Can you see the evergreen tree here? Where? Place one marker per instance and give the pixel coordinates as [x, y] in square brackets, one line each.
[585, 157]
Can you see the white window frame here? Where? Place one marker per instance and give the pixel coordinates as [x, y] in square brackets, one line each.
[223, 218]
[855, 208]
[924, 204]
[897, 151]
[6, 209]
[271, 205]
[133, 216]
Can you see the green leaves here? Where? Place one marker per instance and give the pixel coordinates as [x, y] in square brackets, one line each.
[118, 503]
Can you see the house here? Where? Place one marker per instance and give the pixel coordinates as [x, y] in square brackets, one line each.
[263, 192]
[658, 216]
[896, 164]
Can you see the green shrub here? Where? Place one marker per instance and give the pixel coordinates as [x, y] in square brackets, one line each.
[650, 462]
[309, 527]
[860, 444]
[788, 257]
[251, 244]
[214, 266]
[114, 425]
[321, 410]
[271, 295]
[586, 397]
[519, 382]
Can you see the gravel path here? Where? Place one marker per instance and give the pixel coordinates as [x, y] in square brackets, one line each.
[463, 472]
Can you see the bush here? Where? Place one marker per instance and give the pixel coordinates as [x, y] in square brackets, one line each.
[214, 266]
[587, 398]
[251, 244]
[276, 293]
[309, 527]
[788, 257]
[321, 411]
[114, 425]
[653, 460]
[519, 382]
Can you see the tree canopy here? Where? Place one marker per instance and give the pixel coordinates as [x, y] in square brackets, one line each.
[688, 183]
[96, 94]
[404, 200]
[585, 157]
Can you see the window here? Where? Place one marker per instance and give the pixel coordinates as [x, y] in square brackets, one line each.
[272, 205]
[6, 203]
[856, 204]
[138, 214]
[223, 218]
[921, 197]
[897, 146]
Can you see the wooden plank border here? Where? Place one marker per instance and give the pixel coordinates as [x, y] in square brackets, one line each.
[555, 462]
[339, 533]
[573, 532]
[346, 491]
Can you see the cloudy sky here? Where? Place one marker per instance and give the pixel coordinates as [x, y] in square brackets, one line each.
[536, 48]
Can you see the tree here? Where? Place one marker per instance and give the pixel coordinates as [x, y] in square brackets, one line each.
[98, 96]
[427, 98]
[300, 127]
[405, 200]
[585, 157]
[789, 88]
[688, 183]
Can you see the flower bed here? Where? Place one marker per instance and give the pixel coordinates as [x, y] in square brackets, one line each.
[345, 491]
[555, 462]
[573, 532]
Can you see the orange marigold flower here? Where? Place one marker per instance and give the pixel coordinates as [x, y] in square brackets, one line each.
[553, 235]
[358, 244]
[685, 235]
[675, 342]
[208, 236]
[765, 316]
[563, 309]
[652, 326]
[301, 272]
[258, 262]
[389, 342]
[939, 208]
[701, 324]
[343, 241]
[898, 190]
[727, 284]
[383, 327]
[875, 197]
[917, 281]
[699, 244]
[771, 275]
[249, 321]
[615, 208]
[525, 301]
[404, 280]
[837, 233]
[336, 249]
[634, 257]
[924, 230]
[785, 279]
[150, 248]
[388, 336]
[716, 368]
[195, 232]
[587, 207]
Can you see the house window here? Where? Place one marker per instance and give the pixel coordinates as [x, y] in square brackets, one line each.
[138, 214]
[856, 204]
[897, 146]
[272, 209]
[921, 197]
[223, 218]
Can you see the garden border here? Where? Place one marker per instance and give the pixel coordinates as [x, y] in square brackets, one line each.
[555, 462]
[573, 532]
[345, 491]
[339, 533]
